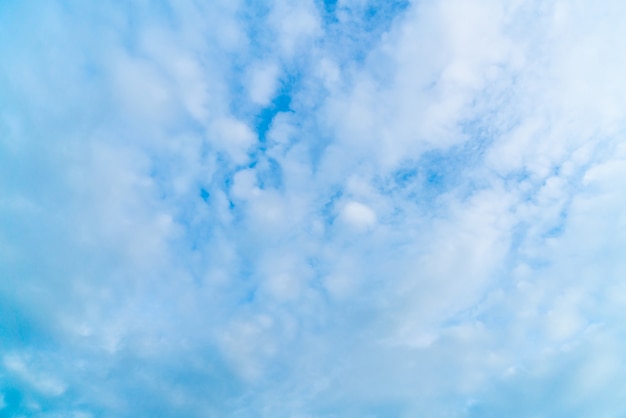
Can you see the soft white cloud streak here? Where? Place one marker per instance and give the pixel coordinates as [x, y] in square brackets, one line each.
[348, 209]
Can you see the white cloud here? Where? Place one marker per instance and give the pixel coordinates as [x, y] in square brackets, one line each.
[358, 215]
[263, 82]
[47, 385]
[244, 184]
[233, 137]
[439, 196]
[295, 26]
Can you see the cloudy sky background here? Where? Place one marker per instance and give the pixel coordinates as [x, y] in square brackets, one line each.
[351, 208]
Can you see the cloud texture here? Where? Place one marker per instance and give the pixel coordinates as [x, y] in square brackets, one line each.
[350, 208]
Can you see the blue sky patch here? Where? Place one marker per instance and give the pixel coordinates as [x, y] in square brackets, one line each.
[351, 208]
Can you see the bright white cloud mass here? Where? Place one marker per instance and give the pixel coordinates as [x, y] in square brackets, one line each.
[349, 208]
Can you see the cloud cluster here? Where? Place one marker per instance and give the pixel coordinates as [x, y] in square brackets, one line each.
[312, 209]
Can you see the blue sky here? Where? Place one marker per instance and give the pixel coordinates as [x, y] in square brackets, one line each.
[350, 208]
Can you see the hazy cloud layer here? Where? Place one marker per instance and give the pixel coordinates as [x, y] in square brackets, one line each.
[351, 208]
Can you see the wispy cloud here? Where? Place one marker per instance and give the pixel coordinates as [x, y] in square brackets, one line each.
[329, 208]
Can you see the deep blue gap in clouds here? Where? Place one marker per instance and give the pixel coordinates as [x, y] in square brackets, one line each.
[269, 171]
[280, 103]
[327, 10]
[269, 174]
[439, 171]
[328, 211]
[204, 194]
[351, 32]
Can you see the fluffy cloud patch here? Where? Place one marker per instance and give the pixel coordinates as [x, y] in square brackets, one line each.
[337, 208]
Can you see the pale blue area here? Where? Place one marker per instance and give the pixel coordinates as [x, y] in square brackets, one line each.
[135, 282]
